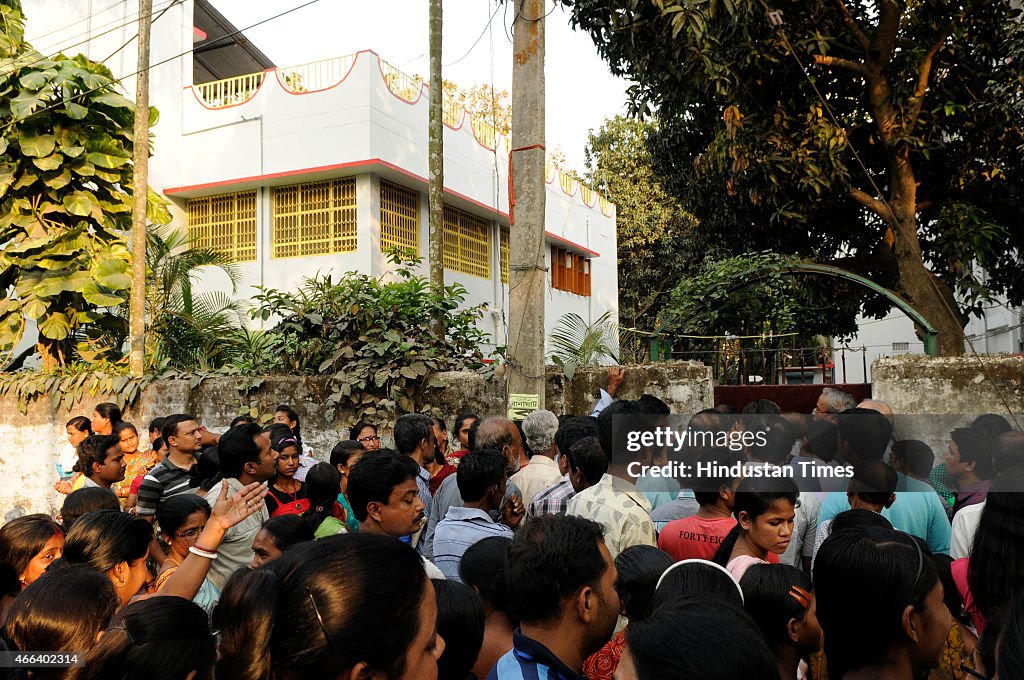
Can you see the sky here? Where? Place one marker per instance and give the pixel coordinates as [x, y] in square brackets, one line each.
[581, 92]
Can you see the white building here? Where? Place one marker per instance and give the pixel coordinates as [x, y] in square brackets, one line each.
[322, 167]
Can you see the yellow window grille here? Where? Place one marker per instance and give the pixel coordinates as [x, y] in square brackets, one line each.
[467, 243]
[399, 217]
[503, 254]
[226, 223]
[314, 219]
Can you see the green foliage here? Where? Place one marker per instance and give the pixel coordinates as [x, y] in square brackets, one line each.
[745, 143]
[658, 240]
[744, 295]
[576, 343]
[68, 385]
[189, 331]
[372, 334]
[65, 201]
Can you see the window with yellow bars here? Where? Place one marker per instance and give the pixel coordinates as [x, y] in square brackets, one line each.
[467, 243]
[225, 223]
[503, 254]
[316, 218]
[570, 272]
[399, 217]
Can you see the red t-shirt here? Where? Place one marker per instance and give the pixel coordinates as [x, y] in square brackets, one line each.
[694, 538]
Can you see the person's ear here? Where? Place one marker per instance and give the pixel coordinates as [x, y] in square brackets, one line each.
[744, 519]
[892, 499]
[970, 466]
[586, 604]
[373, 510]
[793, 630]
[909, 622]
[120, 574]
[362, 671]
[96, 466]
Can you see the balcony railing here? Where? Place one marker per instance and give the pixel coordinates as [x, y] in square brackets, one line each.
[401, 84]
[220, 94]
[454, 113]
[317, 75]
[324, 74]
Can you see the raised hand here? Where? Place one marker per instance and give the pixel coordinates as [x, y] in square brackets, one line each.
[229, 511]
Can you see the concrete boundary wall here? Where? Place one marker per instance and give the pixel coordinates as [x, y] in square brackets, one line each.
[968, 384]
[933, 395]
[33, 442]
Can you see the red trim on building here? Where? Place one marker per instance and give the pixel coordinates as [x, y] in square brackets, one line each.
[266, 76]
[571, 244]
[277, 74]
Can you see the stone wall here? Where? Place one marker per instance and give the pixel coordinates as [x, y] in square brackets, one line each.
[33, 441]
[933, 395]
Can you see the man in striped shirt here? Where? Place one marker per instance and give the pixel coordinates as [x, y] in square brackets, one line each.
[481, 478]
[170, 476]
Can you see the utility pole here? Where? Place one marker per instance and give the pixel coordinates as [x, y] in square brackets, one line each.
[140, 188]
[527, 272]
[436, 159]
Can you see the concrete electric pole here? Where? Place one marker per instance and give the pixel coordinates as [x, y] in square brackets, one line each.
[526, 239]
[436, 157]
[140, 187]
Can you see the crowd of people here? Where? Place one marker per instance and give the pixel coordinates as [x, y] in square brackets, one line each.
[521, 551]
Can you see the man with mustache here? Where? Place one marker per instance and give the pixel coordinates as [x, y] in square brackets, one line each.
[385, 498]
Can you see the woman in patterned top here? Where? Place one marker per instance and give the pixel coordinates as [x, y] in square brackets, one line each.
[137, 462]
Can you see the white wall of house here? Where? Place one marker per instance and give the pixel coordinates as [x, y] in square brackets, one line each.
[352, 126]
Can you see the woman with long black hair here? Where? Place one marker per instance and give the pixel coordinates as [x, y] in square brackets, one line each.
[993, 576]
[325, 516]
[765, 509]
[357, 605]
[286, 415]
[879, 602]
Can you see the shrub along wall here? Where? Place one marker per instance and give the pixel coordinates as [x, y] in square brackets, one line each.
[33, 441]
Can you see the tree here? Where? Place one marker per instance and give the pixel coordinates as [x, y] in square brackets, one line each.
[484, 103]
[188, 330]
[65, 199]
[576, 343]
[657, 238]
[927, 93]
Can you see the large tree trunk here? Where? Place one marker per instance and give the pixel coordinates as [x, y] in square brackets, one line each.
[926, 292]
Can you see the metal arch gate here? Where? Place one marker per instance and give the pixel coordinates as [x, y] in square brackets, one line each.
[661, 348]
[802, 398]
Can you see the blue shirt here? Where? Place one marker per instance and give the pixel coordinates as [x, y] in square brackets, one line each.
[530, 660]
[423, 484]
[918, 510]
[461, 528]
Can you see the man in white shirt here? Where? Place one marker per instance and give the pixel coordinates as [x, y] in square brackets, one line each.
[540, 428]
[1009, 452]
[245, 457]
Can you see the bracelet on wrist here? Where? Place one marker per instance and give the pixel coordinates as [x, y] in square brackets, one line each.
[195, 550]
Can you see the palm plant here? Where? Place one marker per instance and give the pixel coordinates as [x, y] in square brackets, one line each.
[188, 330]
[576, 343]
